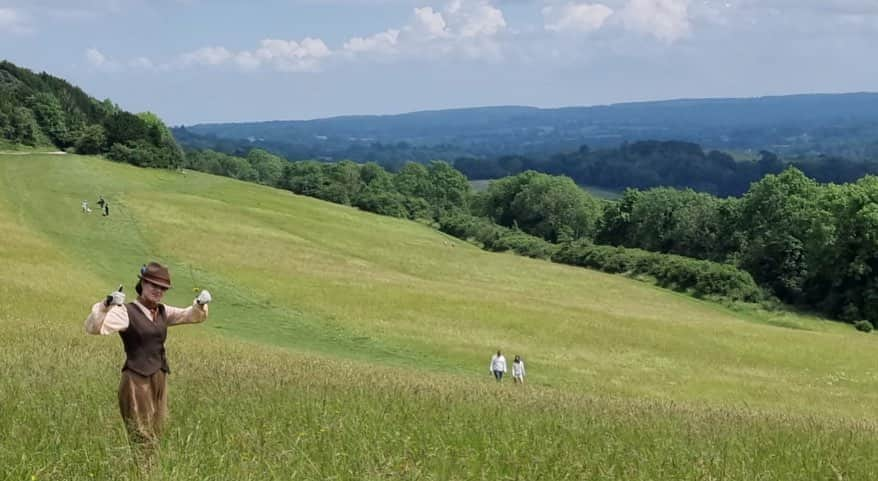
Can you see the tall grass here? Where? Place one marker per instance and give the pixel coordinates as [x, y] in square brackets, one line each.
[343, 345]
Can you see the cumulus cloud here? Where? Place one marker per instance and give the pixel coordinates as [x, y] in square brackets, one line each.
[206, 56]
[667, 20]
[384, 42]
[289, 55]
[482, 19]
[429, 22]
[577, 17]
[277, 54]
[467, 28]
[95, 57]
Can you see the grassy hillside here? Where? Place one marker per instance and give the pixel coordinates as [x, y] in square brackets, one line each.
[352, 346]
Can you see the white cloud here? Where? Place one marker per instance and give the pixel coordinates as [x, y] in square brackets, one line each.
[95, 57]
[292, 56]
[666, 20]
[430, 22]
[14, 21]
[282, 55]
[467, 28]
[206, 56]
[384, 42]
[577, 17]
[480, 20]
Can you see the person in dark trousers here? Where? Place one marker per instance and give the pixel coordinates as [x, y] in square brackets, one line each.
[498, 366]
[105, 206]
[143, 326]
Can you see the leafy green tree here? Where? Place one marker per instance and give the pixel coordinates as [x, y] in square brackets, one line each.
[555, 209]
[123, 127]
[92, 140]
[447, 189]
[24, 127]
[269, 167]
[205, 161]
[304, 177]
[413, 180]
[783, 228]
[343, 182]
[550, 207]
[614, 227]
[238, 168]
[374, 176]
[50, 116]
[849, 274]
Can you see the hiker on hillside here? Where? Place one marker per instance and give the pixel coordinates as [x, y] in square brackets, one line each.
[518, 370]
[104, 205]
[85, 208]
[498, 366]
[143, 327]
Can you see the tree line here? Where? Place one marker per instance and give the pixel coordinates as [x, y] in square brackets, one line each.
[652, 163]
[639, 164]
[44, 111]
[788, 237]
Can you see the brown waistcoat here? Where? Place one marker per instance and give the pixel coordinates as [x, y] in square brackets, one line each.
[144, 341]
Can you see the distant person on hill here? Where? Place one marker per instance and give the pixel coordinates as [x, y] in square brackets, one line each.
[104, 205]
[498, 366]
[85, 208]
[518, 370]
[143, 327]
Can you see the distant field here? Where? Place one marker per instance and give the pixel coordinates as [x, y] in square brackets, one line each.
[598, 192]
[345, 345]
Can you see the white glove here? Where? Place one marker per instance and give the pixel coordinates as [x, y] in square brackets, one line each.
[115, 298]
[203, 298]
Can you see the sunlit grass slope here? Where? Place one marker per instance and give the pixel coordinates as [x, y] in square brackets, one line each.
[344, 344]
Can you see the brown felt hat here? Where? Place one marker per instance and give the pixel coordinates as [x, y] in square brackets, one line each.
[157, 274]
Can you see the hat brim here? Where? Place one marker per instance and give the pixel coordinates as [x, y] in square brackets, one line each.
[158, 282]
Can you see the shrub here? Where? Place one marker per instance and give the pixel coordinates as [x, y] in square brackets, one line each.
[864, 326]
[703, 278]
[494, 237]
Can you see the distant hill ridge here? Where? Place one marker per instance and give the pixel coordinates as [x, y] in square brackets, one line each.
[793, 123]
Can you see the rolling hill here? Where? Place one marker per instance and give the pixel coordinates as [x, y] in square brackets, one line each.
[838, 124]
[347, 345]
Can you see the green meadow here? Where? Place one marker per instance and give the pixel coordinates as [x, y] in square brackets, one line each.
[345, 345]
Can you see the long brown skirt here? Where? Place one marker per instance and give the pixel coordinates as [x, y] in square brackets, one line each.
[143, 402]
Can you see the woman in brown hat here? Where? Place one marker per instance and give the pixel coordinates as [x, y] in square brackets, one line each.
[143, 327]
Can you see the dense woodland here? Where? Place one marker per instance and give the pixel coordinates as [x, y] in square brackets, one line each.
[788, 237]
[646, 164]
[639, 164]
[40, 110]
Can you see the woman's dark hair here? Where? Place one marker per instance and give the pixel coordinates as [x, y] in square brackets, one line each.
[517, 358]
[138, 288]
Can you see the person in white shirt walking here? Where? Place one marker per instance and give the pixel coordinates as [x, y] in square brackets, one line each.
[518, 370]
[498, 366]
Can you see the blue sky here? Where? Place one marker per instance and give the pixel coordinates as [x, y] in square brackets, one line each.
[193, 61]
